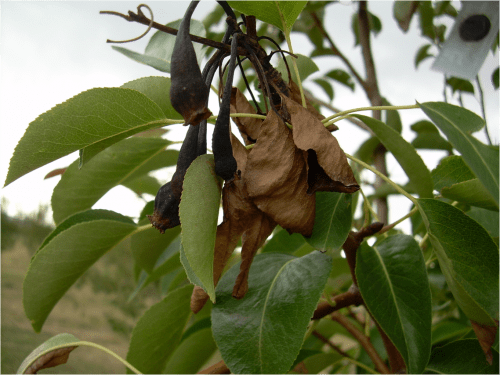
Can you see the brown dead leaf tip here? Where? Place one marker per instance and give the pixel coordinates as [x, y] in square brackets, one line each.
[486, 336]
[51, 359]
[188, 91]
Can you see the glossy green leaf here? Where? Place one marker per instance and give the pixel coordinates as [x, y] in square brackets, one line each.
[192, 353]
[284, 242]
[75, 245]
[191, 275]
[366, 150]
[428, 137]
[332, 222]
[80, 189]
[457, 123]
[317, 363]
[271, 11]
[326, 86]
[31, 362]
[404, 153]
[459, 84]
[341, 76]
[149, 244]
[393, 282]
[283, 293]
[422, 53]
[468, 258]
[488, 219]
[158, 53]
[462, 357]
[83, 121]
[159, 331]
[163, 159]
[494, 78]
[143, 185]
[451, 170]
[305, 65]
[156, 89]
[471, 192]
[198, 211]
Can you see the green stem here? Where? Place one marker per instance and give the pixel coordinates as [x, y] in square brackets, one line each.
[362, 365]
[374, 108]
[383, 177]
[390, 226]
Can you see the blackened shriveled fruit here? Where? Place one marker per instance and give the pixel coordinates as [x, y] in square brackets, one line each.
[188, 92]
[168, 198]
[225, 163]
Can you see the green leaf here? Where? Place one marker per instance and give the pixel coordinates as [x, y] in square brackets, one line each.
[454, 179]
[149, 244]
[398, 295]
[163, 159]
[448, 330]
[403, 12]
[494, 79]
[326, 86]
[83, 121]
[332, 221]
[80, 189]
[488, 219]
[75, 245]
[366, 150]
[404, 153]
[158, 53]
[462, 357]
[155, 88]
[426, 16]
[422, 52]
[341, 76]
[159, 331]
[192, 353]
[30, 364]
[391, 117]
[305, 65]
[468, 258]
[167, 262]
[284, 242]
[459, 84]
[269, 11]
[263, 332]
[428, 137]
[198, 211]
[143, 185]
[456, 123]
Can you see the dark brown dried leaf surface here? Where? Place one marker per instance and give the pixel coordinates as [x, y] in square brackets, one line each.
[486, 336]
[328, 168]
[54, 358]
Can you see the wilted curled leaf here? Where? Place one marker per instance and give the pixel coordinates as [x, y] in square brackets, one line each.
[51, 359]
[276, 178]
[188, 91]
[249, 127]
[328, 168]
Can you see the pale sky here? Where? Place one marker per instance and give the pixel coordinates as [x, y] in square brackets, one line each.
[51, 51]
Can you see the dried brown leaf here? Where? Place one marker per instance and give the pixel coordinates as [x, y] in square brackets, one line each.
[486, 336]
[295, 96]
[328, 168]
[54, 358]
[249, 127]
[55, 172]
[276, 178]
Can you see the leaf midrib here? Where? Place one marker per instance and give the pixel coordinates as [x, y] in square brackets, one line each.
[264, 310]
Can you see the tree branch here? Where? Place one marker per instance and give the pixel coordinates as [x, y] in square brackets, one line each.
[363, 340]
[373, 93]
[218, 368]
[330, 344]
[141, 18]
[351, 297]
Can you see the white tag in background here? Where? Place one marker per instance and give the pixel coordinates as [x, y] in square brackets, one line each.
[464, 51]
